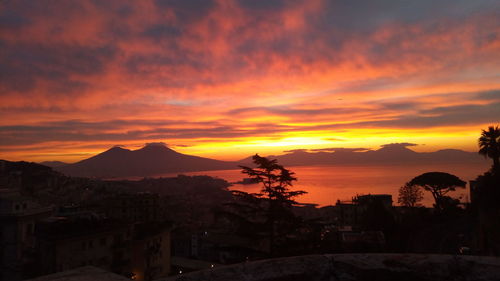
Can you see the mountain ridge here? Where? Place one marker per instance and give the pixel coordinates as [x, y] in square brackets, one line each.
[155, 159]
[395, 153]
[150, 160]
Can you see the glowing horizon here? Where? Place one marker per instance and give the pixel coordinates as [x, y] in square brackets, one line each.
[230, 78]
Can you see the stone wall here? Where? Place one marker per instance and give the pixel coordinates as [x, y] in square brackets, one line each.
[338, 267]
[359, 267]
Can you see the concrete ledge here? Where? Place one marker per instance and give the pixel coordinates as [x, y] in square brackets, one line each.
[356, 267]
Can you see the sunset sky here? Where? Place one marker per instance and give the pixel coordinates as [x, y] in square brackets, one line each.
[229, 78]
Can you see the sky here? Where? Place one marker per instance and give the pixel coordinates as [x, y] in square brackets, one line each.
[229, 78]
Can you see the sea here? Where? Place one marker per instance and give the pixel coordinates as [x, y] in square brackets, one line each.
[327, 184]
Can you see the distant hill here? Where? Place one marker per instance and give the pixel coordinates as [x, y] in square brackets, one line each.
[27, 176]
[151, 160]
[156, 159]
[396, 153]
[53, 164]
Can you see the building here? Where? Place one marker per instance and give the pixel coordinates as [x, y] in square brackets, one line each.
[151, 251]
[136, 207]
[70, 243]
[349, 213]
[366, 200]
[138, 251]
[18, 217]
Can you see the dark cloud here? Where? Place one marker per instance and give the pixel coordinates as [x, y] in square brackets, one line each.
[289, 110]
[187, 10]
[182, 145]
[442, 116]
[268, 5]
[406, 105]
[398, 145]
[493, 95]
[77, 130]
[361, 15]
[11, 19]
[149, 63]
[23, 65]
[160, 31]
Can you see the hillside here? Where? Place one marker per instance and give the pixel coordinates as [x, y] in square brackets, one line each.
[151, 160]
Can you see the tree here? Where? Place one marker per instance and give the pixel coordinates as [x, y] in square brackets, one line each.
[438, 184]
[275, 180]
[489, 145]
[410, 195]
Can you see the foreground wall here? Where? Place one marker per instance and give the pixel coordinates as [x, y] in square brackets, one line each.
[359, 267]
[338, 267]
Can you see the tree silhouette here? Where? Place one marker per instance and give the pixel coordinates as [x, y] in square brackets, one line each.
[410, 195]
[489, 145]
[439, 184]
[275, 180]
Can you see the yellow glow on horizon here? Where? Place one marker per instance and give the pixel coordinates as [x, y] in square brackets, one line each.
[427, 140]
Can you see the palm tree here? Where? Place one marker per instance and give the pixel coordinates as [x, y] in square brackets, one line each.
[489, 145]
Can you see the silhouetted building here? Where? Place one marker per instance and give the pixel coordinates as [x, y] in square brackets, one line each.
[365, 200]
[151, 251]
[18, 217]
[137, 207]
[349, 213]
[141, 251]
[69, 243]
[77, 211]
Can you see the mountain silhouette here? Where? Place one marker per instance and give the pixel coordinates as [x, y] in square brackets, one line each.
[53, 164]
[151, 160]
[388, 154]
[156, 159]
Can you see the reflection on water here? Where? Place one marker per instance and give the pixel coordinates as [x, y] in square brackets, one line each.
[326, 184]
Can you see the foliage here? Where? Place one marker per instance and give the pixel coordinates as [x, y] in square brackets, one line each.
[438, 184]
[489, 145]
[410, 195]
[275, 179]
[276, 182]
[487, 191]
